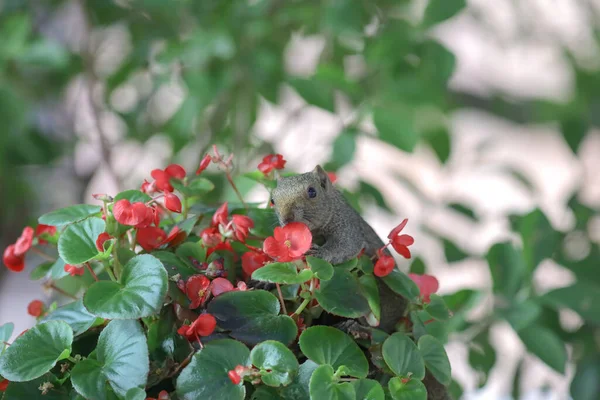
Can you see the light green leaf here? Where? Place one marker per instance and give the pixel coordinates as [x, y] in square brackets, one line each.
[436, 359]
[77, 244]
[68, 215]
[402, 356]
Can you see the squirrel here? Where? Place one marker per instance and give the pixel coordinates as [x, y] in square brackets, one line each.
[312, 199]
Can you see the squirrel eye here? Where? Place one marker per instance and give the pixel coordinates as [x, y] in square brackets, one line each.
[312, 193]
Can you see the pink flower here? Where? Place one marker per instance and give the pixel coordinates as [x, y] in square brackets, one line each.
[427, 285]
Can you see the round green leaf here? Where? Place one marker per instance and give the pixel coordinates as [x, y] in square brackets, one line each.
[206, 376]
[69, 215]
[371, 292]
[134, 196]
[328, 345]
[411, 390]
[320, 268]
[402, 356]
[74, 314]
[282, 273]
[323, 385]
[368, 389]
[277, 363]
[437, 308]
[77, 244]
[37, 351]
[400, 283]
[341, 295]
[140, 293]
[436, 359]
[299, 388]
[546, 345]
[253, 317]
[121, 361]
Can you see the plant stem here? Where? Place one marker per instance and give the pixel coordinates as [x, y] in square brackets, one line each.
[117, 264]
[89, 267]
[73, 360]
[59, 290]
[281, 298]
[235, 189]
[111, 273]
[42, 254]
[302, 306]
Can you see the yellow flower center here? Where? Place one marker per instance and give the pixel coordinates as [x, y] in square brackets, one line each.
[288, 243]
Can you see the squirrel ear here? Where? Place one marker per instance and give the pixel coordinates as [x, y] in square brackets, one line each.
[323, 177]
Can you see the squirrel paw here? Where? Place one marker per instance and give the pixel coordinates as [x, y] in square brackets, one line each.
[260, 285]
[354, 329]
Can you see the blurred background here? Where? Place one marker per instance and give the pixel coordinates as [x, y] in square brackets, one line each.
[477, 120]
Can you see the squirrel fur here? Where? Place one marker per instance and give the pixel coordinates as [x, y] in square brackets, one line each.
[312, 199]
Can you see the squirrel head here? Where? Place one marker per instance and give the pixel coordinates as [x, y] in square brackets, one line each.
[304, 198]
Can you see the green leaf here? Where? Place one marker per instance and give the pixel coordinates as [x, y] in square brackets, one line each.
[344, 147]
[74, 314]
[585, 384]
[314, 93]
[395, 124]
[277, 364]
[191, 251]
[546, 345]
[436, 359]
[121, 361]
[206, 376]
[522, 314]
[328, 345]
[581, 297]
[286, 273]
[40, 271]
[140, 293]
[299, 388]
[134, 196]
[264, 221]
[30, 390]
[323, 385]
[368, 283]
[77, 244]
[6, 332]
[400, 283]
[320, 268]
[265, 393]
[367, 190]
[574, 129]
[57, 270]
[452, 252]
[402, 356]
[259, 177]
[437, 308]
[196, 186]
[417, 266]
[342, 295]
[36, 351]
[439, 140]
[411, 390]
[68, 215]
[175, 264]
[540, 240]
[368, 389]
[135, 394]
[252, 317]
[507, 267]
[461, 209]
[347, 265]
[482, 356]
[441, 10]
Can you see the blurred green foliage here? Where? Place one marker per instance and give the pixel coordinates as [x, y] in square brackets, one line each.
[229, 56]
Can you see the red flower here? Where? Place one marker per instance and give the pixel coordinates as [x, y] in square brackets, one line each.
[153, 237]
[14, 262]
[289, 242]
[74, 270]
[252, 260]
[427, 285]
[24, 242]
[241, 226]
[44, 230]
[204, 325]
[271, 162]
[35, 308]
[384, 265]
[196, 289]
[204, 164]
[172, 202]
[103, 237]
[220, 216]
[222, 246]
[147, 187]
[220, 285]
[235, 378]
[210, 236]
[400, 243]
[137, 214]
[4, 384]
[163, 178]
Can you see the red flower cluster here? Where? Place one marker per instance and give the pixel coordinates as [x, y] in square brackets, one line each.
[427, 285]
[271, 162]
[162, 183]
[204, 325]
[14, 254]
[288, 243]
[74, 270]
[35, 308]
[236, 374]
[138, 214]
[253, 260]
[385, 263]
[221, 227]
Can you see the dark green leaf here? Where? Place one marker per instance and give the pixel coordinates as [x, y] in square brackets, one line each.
[371, 191]
[135, 394]
[437, 308]
[69, 215]
[40, 271]
[439, 140]
[436, 359]
[320, 268]
[121, 361]
[277, 364]
[441, 10]
[402, 356]
[521, 314]
[482, 357]
[368, 389]
[540, 240]
[36, 351]
[371, 292]
[77, 244]
[282, 273]
[341, 295]
[191, 251]
[395, 124]
[134, 196]
[30, 390]
[314, 92]
[74, 314]
[323, 385]
[299, 388]
[417, 266]
[197, 186]
[507, 268]
[585, 384]
[140, 293]
[259, 177]
[574, 130]
[252, 317]
[544, 343]
[581, 297]
[343, 148]
[411, 390]
[467, 212]
[452, 252]
[400, 283]
[327, 345]
[206, 375]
